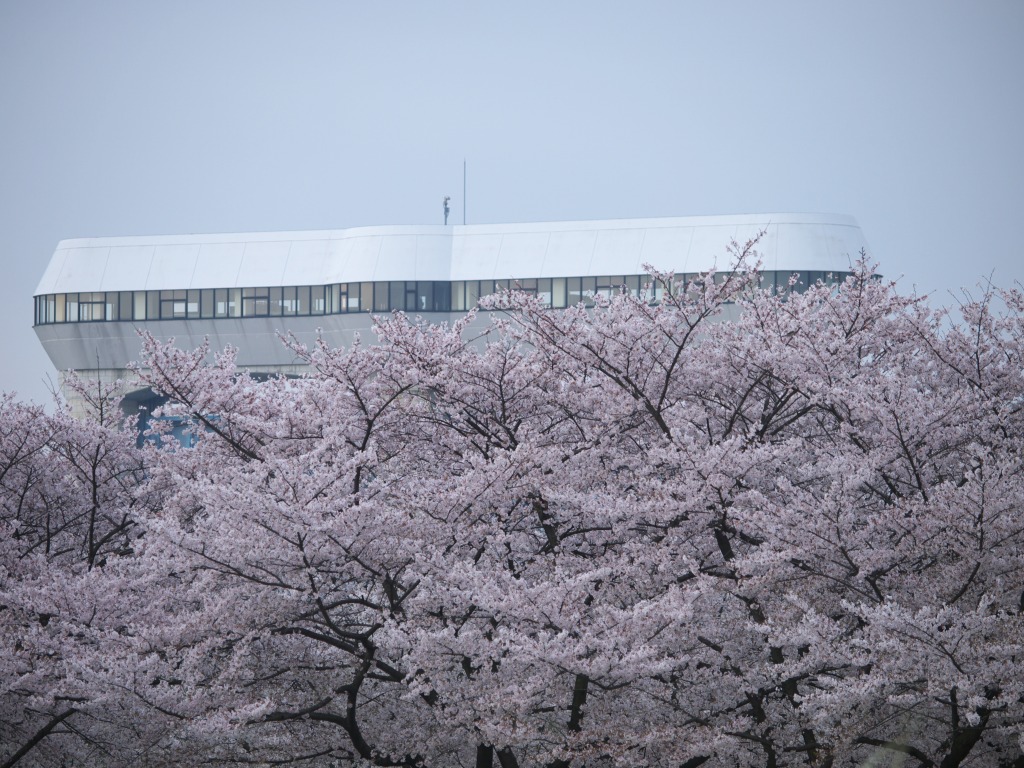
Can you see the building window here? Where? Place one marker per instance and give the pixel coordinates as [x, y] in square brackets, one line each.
[382, 296]
[92, 307]
[255, 302]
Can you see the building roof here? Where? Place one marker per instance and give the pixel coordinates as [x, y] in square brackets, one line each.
[827, 242]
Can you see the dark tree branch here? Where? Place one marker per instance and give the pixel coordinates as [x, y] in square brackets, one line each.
[41, 734]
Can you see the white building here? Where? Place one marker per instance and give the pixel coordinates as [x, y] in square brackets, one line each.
[243, 289]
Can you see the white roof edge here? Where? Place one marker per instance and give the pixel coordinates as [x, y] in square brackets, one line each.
[835, 219]
[794, 241]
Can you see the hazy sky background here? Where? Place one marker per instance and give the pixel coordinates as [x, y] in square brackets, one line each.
[132, 118]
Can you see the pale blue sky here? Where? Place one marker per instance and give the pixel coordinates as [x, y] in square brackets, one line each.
[134, 117]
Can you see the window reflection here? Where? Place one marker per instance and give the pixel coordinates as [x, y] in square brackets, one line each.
[414, 296]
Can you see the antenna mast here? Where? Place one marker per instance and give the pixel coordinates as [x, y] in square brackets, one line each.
[463, 191]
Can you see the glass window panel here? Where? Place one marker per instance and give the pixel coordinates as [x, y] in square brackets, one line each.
[381, 296]
[459, 296]
[558, 292]
[97, 300]
[288, 301]
[396, 295]
[206, 303]
[152, 305]
[92, 311]
[317, 300]
[411, 303]
[302, 297]
[363, 294]
[60, 302]
[172, 304]
[588, 289]
[442, 296]
[193, 303]
[256, 302]
[544, 291]
[276, 302]
[126, 299]
[472, 293]
[72, 307]
[424, 296]
[220, 302]
[235, 302]
[575, 290]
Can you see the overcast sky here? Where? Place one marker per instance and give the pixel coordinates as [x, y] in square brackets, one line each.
[133, 118]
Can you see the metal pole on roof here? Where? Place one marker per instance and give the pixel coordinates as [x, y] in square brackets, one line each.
[463, 191]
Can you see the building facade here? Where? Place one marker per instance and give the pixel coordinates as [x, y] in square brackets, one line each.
[245, 289]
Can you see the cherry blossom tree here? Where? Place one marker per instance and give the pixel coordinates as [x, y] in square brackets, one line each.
[67, 510]
[632, 534]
